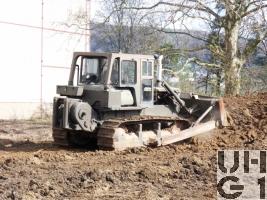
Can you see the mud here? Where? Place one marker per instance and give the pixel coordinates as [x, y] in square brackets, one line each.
[31, 167]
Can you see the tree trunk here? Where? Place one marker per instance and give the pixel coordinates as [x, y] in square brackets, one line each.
[232, 61]
[232, 79]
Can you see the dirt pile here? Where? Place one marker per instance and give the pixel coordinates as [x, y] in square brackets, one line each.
[31, 167]
[247, 117]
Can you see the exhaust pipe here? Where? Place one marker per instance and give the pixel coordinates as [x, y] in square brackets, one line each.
[159, 69]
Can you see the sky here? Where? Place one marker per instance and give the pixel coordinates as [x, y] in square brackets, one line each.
[20, 49]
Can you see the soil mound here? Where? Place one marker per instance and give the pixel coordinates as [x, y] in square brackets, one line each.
[247, 116]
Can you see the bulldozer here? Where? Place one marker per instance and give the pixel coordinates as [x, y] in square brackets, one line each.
[118, 101]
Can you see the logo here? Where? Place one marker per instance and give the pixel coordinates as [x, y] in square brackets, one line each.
[241, 174]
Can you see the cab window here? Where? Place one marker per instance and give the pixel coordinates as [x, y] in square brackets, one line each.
[146, 68]
[128, 72]
[147, 90]
[147, 82]
[115, 72]
[92, 68]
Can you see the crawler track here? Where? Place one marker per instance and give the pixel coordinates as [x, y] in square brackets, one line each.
[60, 137]
[119, 134]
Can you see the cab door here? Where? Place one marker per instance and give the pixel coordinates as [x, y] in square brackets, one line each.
[147, 91]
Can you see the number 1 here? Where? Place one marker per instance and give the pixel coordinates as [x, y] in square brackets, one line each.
[261, 182]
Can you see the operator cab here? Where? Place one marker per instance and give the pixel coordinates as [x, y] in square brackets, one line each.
[129, 75]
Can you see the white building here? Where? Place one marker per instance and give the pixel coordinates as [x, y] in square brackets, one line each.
[20, 50]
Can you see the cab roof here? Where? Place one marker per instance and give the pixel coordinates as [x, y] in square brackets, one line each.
[75, 54]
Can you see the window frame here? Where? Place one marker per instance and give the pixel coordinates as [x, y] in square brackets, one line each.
[121, 71]
[118, 60]
[81, 68]
[147, 68]
[148, 78]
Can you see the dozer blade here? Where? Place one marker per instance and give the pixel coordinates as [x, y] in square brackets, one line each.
[222, 114]
[197, 128]
[117, 138]
[188, 133]
[147, 131]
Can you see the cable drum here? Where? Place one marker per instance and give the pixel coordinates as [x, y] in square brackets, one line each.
[83, 115]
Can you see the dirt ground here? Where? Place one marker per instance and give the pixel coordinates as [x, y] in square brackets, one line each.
[31, 167]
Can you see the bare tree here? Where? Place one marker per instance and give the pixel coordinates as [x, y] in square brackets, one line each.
[117, 28]
[241, 25]
[120, 29]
